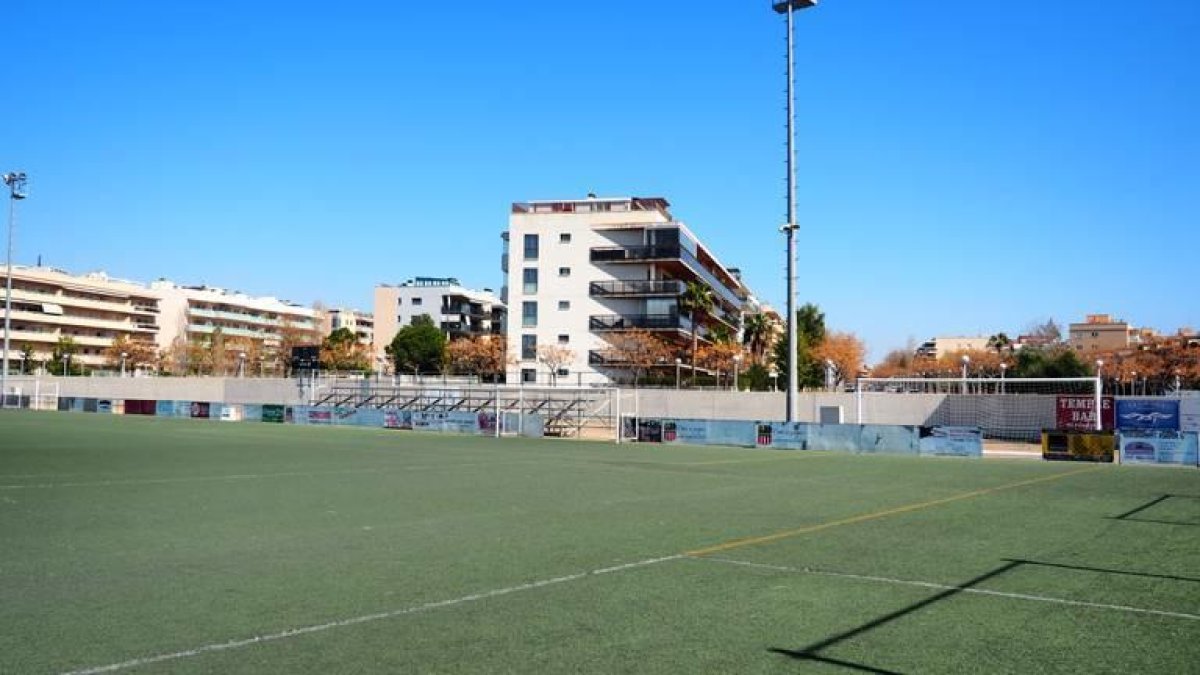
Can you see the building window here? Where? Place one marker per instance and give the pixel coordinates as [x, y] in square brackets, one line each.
[399, 301]
[529, 347]
[416, 301]
[564, 238]
[564, 339]
[529, 375]
[529, 314]
[531, 247]
[564, 271]
[564, 305]
[563, 372]
[530, 279]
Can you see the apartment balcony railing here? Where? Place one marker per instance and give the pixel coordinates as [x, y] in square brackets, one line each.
[616, 254]
[232, 316]
[635, 254]
[672, 287]
[608, 322]
[468, 310]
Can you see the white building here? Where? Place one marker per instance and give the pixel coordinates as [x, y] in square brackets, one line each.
[362, 324]
[581, 270]
[936, 348]
[457, 310]
[92, 310]
[258, 326]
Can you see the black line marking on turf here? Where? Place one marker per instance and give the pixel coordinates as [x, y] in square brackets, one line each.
[809, 653]
[1143, 507]
[839, 662]
[1104, 570]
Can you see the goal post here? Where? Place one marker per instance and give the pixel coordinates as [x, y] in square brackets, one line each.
[1015, 409]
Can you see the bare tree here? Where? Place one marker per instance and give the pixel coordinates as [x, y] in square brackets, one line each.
[554, 358]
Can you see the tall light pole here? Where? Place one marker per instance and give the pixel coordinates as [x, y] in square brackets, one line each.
[678, 362]
[1003, 370]
[788, 8]
[16, 191]
[123, 357]
[737, 361]
[966, 361]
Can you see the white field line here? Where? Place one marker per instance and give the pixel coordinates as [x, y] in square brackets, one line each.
[944, 587]
[366, 618]
[254, 476]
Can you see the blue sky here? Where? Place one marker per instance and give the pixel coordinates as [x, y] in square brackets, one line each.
[965, 168]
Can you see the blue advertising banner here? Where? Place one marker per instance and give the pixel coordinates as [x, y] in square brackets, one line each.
[1148, 413]
[164, 408]
[952, 441]
[1159, 447]
[890, 439]
[1189, 412]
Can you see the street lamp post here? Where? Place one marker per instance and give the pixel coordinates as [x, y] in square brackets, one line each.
[737, 361]
[124, 356]
[1133, 384]
[789, 8]
[241, 364]
[67, 368]
[1003, 370]
[678, 363]
[774, 379]
[966, 361]
[1100, 375]
[16, 191]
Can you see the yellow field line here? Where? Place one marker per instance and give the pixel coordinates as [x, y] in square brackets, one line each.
[750, 541]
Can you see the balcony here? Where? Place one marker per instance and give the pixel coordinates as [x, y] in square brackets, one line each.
[628, 289]
[665, 253]
[633, 254]
[617, 322]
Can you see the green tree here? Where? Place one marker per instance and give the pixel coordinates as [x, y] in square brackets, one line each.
[1055, 361]
[62, 359]
[420, 346]
[755, 334]
[810, 333]
[27, 357]
[697, 300]
[1000, 343]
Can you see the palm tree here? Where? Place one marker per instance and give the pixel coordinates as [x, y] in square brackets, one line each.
[697, 299]
[1000, 343]
[756, 332]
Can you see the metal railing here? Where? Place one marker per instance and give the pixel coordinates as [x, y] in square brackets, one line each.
[646, 321]
[670, 287]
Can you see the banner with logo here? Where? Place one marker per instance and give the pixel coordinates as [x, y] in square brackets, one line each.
[1078, 413]
[1159, 447]
[1189, 413]
[1148, 413]
[1079, 446]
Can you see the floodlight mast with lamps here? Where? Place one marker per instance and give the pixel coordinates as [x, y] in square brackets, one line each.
[16, 186]
[788, 8]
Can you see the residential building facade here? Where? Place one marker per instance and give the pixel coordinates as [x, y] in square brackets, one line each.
[362, 324]
[258, 332]
[93, 310]
[936, 348]
[1101, 333]
[459, 311]
[580, 272]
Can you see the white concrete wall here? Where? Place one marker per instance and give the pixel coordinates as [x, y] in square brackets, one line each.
[224, 389]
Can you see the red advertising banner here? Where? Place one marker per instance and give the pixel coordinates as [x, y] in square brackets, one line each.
[1078, 413]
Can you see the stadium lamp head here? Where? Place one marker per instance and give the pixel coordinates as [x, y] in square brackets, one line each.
[782, 7]
[16, 183]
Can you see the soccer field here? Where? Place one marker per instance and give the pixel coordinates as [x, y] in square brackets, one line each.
[145, 546]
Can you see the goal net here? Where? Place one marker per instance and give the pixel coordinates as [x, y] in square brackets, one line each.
[1012, 409]
[29, 393]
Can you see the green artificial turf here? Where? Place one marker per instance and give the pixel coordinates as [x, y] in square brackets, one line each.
[127, 538]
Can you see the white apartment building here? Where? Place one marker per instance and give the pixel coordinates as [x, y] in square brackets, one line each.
[581, 270]
[457, 310]
[264, 324]
[92, 310]
[362, 324]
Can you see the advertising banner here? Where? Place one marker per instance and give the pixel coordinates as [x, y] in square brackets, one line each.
[164, 408]
[783, 436]
[1159, 447]
[952, 441]
[252, 412]
[200, 410]
[890, 439]
[397, 419]
[1148, 413]
[1189, 413]
[104, 405]
[1078, 413]
[272, 413]
[1079, 446]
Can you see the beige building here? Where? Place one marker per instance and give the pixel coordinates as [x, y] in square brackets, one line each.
[580, 272]
[936, 348]
[92, 310]
[259, 327]
[459, 311]
[1100, 333]
[362, 324]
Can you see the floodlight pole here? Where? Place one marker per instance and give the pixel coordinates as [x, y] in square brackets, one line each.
[789, 7]
[16, 185]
